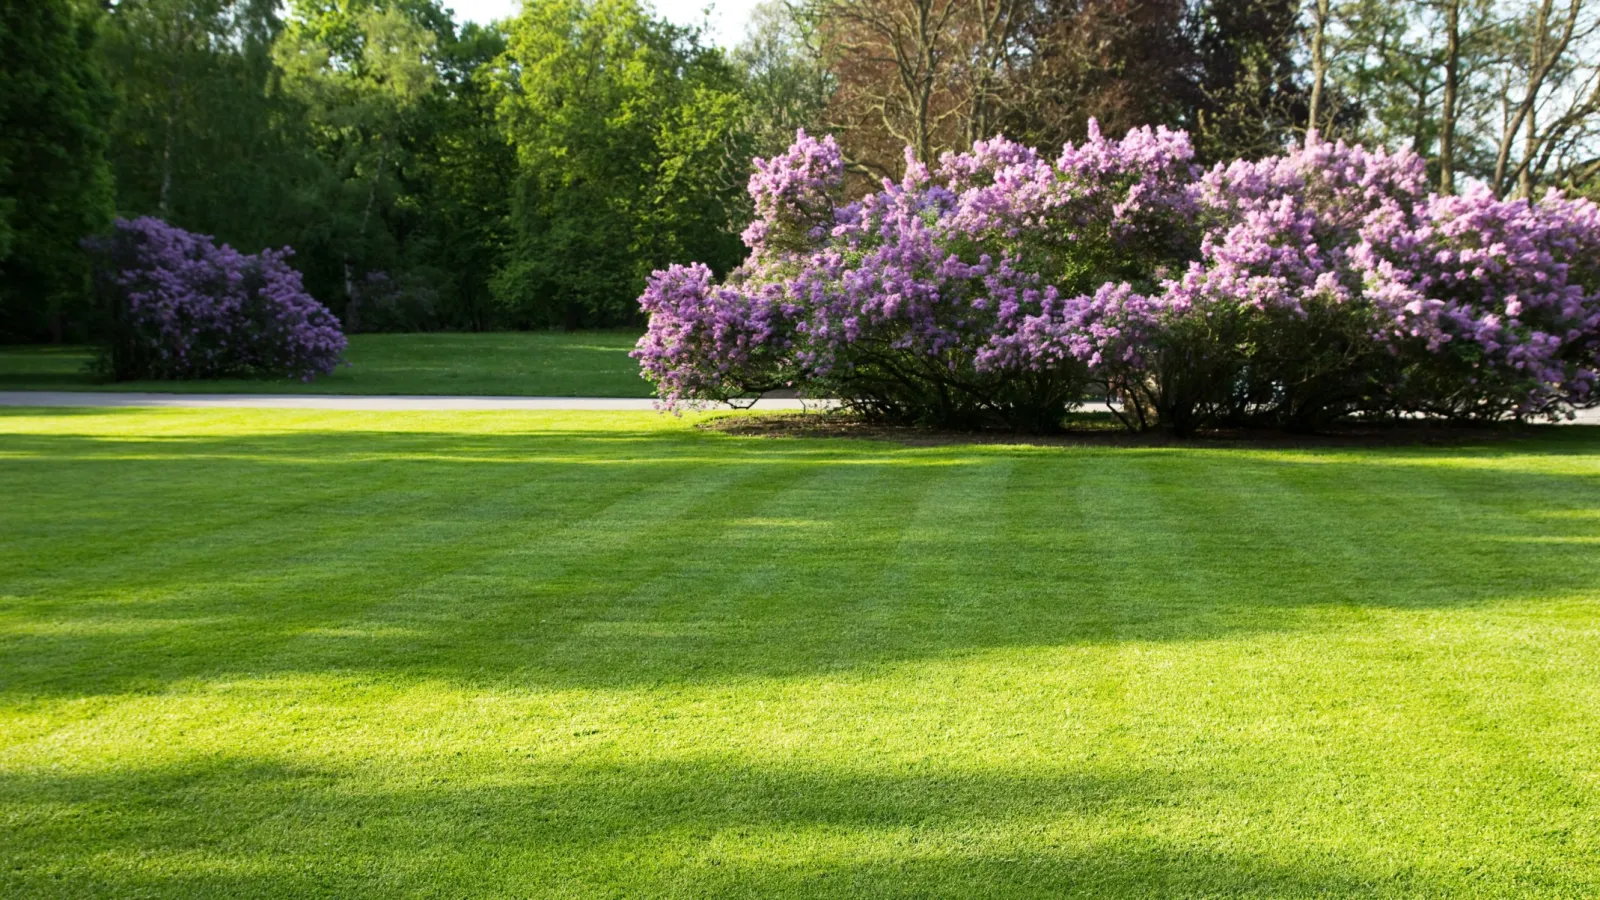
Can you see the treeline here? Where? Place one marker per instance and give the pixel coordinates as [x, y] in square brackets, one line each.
[531, 173]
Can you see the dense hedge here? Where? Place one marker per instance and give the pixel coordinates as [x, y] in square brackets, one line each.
[179, 306]
[1003, 288]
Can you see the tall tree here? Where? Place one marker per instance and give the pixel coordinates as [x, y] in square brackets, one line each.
[1414, 71]
[786, 83]
[1551, 90]
[936, 75]
[55, 184]
[632, 151]
[1125, 63]
[902, 83]
[461, 171]
[992, 30]
[364, 71]
[1321, 18]
[195, 129]
[1249, 95]
[1452, 95]
[205, 138]
[1498, 93]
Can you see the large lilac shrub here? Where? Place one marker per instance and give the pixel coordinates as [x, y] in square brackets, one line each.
[945, 297]
[180, 306]
[1001, 287]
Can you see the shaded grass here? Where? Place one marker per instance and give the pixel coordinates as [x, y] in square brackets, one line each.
[554, 364]
[252, 653]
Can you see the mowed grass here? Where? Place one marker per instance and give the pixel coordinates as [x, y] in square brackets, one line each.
[540, 363]
[285, 653]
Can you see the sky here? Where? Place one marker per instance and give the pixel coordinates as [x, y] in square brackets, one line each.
[727, 18]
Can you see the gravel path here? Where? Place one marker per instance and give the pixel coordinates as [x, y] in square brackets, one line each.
[332, 401]
[328, 401]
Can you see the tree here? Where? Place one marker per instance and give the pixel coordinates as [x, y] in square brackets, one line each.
[900, 81]
[1124, 63]
[361, 132]
[786, 85]
[1248, 95]
[1413, 72]
[204, 135]
[461, 169]
[631, 150]
[364, 72]
[193, 78]
[55, 185]
[1321, 14]
[937, 75]
[1498, 93]
[1452, 96]
[1551, 89]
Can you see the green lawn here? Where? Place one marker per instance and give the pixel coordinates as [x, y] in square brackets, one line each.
[293, 654]
[555, 364]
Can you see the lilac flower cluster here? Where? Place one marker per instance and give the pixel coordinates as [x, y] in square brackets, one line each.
[1499, 298]
[183, 307]
[1000, 287]
[793, 194]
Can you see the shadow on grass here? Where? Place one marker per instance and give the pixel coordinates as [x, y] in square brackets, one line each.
[584, 557]
[716, 827]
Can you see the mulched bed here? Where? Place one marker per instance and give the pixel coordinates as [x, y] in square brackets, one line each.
[1103, 431]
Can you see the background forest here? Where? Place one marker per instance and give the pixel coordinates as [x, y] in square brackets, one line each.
[433, 175]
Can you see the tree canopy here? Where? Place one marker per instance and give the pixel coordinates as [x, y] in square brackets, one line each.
[55, 184]
[533, 172]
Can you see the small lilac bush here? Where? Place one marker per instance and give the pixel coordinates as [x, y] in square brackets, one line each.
[179, 306]
[1004, 288]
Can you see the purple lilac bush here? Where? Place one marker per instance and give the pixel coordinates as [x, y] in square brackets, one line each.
[1495, 302]
[180, 306]
[1002, 287]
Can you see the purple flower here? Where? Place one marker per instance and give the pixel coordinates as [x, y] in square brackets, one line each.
[1000, 280]
[189, 308]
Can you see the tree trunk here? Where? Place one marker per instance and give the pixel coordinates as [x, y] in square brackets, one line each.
[1319, 67]
[1452, 84]
[924, 98]
[1420, 114]
[352, 310]
[1543, 55]
[164, 200]
[1530, 147]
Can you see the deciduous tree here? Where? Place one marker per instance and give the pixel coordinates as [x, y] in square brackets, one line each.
[631, 149]
[55, 185]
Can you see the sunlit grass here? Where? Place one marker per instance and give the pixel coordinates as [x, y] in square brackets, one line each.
[287, 653]
[545, 363]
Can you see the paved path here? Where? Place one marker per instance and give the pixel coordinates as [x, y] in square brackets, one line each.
[335, 401]
[352, 402]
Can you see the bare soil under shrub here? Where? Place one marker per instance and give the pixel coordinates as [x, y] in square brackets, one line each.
[1098, 430]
